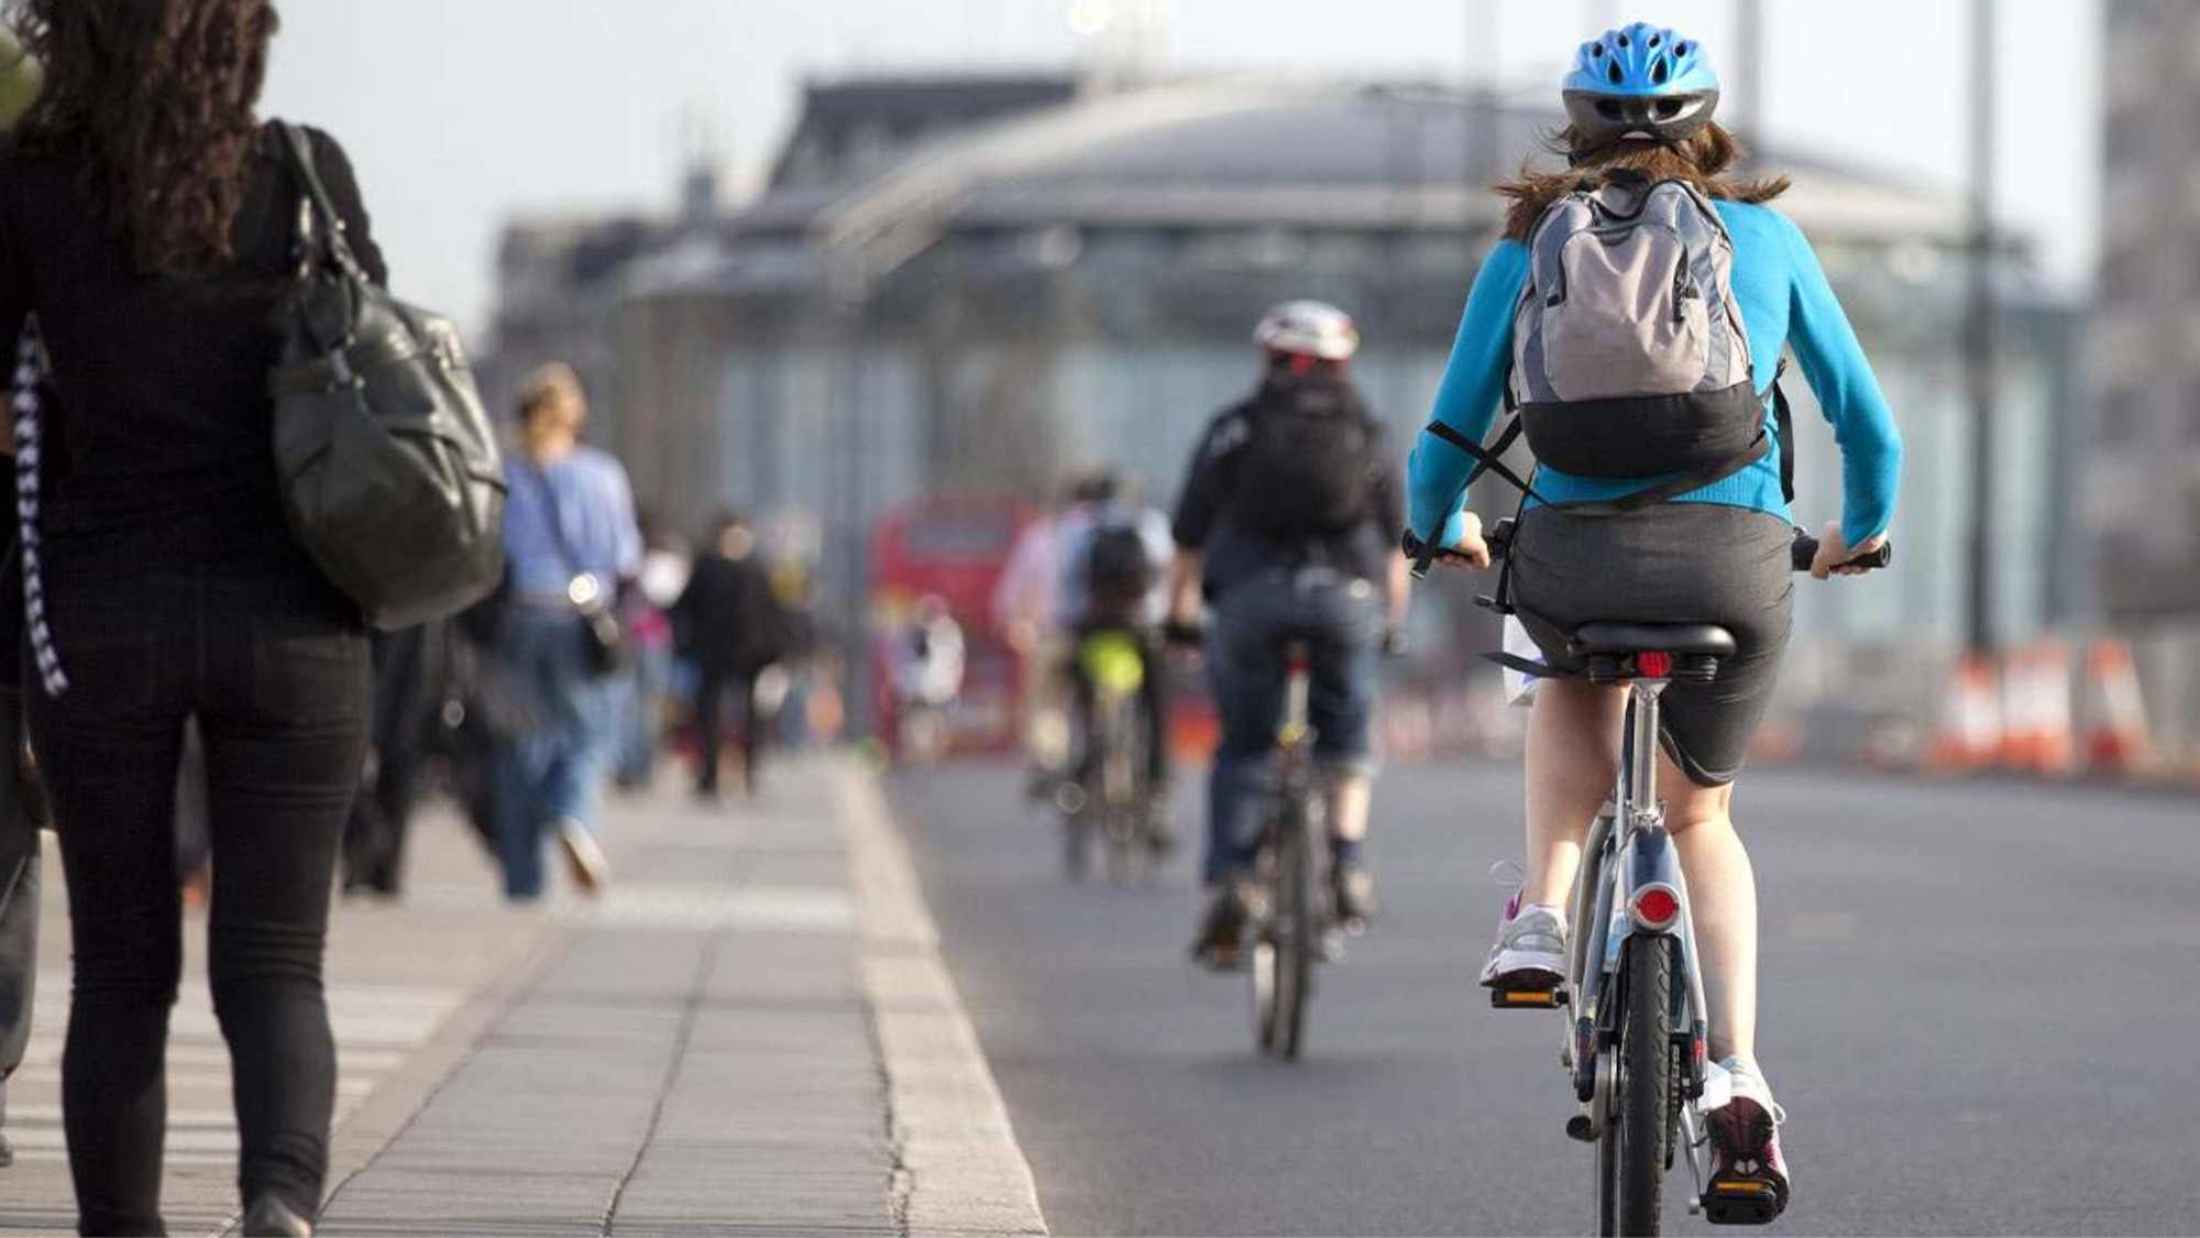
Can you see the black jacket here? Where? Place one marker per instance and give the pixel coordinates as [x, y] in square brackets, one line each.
[727, 619]
[1232, 551]
[160, 384]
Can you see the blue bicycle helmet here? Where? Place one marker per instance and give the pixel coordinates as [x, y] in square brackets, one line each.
[1641, 81]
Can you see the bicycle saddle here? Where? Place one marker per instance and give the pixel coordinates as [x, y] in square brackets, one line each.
[1679, 639]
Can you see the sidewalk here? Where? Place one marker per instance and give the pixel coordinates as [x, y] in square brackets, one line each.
[751, 1034]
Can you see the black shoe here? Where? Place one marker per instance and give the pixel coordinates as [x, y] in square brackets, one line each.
[1352, 894]
[1221, 937]
[269, 1217]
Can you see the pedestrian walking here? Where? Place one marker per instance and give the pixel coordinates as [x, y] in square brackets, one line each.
[148, 221]
[412, 689]
[571, 543]
[731, 627]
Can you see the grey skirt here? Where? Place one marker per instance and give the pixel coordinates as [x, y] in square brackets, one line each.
[1669, 563]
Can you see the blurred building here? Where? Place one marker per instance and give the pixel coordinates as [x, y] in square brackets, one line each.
[2144, 489]
[1070, 277]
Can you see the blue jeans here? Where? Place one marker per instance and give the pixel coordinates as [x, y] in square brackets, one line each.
[1339, 618]
[554, 773]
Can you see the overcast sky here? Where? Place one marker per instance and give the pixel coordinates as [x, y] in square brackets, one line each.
[463, 113]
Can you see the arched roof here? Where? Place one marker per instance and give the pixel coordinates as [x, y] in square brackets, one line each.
[1260, 151]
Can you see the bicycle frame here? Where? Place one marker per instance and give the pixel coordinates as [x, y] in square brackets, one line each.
[1627, 851]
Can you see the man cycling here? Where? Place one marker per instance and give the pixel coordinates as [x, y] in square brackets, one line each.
[1285, 526]
[1662, 539]
[1114, 552]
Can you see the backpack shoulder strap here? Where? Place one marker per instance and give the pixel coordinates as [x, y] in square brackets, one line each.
[1487, 458]
[1783, 420]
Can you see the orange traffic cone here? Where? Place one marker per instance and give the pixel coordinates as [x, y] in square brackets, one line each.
[1970, 719]
[2036, 731]
[2116, 719]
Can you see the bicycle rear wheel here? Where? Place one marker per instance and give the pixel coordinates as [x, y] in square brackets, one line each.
[1295, 931]
[1637, 1135]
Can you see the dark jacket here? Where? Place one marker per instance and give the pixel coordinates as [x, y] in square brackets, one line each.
[1231, 550]
[160, 384]
[727, 619]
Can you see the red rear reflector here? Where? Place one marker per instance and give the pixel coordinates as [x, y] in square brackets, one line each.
[1656, 907]
[1654, 665]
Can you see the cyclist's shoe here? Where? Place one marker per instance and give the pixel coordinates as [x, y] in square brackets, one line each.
[1220, 945]
[1749, 1177]
[1530, 954]
[1352, 895]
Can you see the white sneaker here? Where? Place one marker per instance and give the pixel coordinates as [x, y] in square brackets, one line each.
[1530, 954]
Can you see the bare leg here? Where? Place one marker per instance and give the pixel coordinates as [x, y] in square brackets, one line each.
[1350, 796]
[1722, 896]
[1573, 757]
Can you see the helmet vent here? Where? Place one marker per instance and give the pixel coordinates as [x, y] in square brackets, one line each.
[1655, 39]
[1680, 49]
[1623, 41]
[1614, 73]
[1597, 51]
[1659, 73]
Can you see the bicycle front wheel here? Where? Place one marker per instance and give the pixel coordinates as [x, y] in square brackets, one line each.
[1637, 1135]
[1294, 931]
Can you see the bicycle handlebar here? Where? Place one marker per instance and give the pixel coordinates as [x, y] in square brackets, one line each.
[1803, 552]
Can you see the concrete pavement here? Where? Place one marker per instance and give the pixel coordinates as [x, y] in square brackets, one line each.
[751, 1034]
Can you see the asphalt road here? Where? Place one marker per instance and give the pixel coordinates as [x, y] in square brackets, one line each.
[1982, 1013]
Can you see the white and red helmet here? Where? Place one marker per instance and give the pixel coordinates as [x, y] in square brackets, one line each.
[1309, 329]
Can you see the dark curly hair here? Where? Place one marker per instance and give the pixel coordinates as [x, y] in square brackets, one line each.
[1704, 160]
[157, 98]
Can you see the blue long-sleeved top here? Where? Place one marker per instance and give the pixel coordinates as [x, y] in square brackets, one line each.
[1785, 300]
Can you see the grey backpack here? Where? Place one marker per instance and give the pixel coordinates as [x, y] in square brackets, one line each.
[1630, 357]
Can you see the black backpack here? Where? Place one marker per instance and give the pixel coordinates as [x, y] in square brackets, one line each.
[385, 456]
[1118, 570]
[1308, 460]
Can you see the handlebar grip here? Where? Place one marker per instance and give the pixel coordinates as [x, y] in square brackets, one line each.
[1804, 552]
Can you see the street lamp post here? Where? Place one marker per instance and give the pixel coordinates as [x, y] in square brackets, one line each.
[1979, 343]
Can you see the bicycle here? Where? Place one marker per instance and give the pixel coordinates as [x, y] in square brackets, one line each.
[1111, 800]
[1637, 1044]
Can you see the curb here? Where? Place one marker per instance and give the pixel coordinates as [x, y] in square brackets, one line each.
[958, 1169]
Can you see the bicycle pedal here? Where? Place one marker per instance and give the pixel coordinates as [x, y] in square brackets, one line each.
[1741, 1202]
[1528, 999]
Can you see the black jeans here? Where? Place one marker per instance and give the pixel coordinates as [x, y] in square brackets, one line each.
[276, 671]
[710, 723]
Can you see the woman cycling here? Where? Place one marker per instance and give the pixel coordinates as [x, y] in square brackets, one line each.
[1657, 549]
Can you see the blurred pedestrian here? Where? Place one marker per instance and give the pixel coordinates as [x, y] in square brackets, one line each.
[19, 861]
[641, 732]
[571, 540]
[731, 627]
[412, 690]
[148, 221]
[19, 848]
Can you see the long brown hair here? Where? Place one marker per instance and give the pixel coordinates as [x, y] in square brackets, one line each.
[157, 97]
[1702, 160]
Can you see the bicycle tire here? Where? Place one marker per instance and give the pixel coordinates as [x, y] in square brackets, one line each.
[1294, 920]
[1638, 1132]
